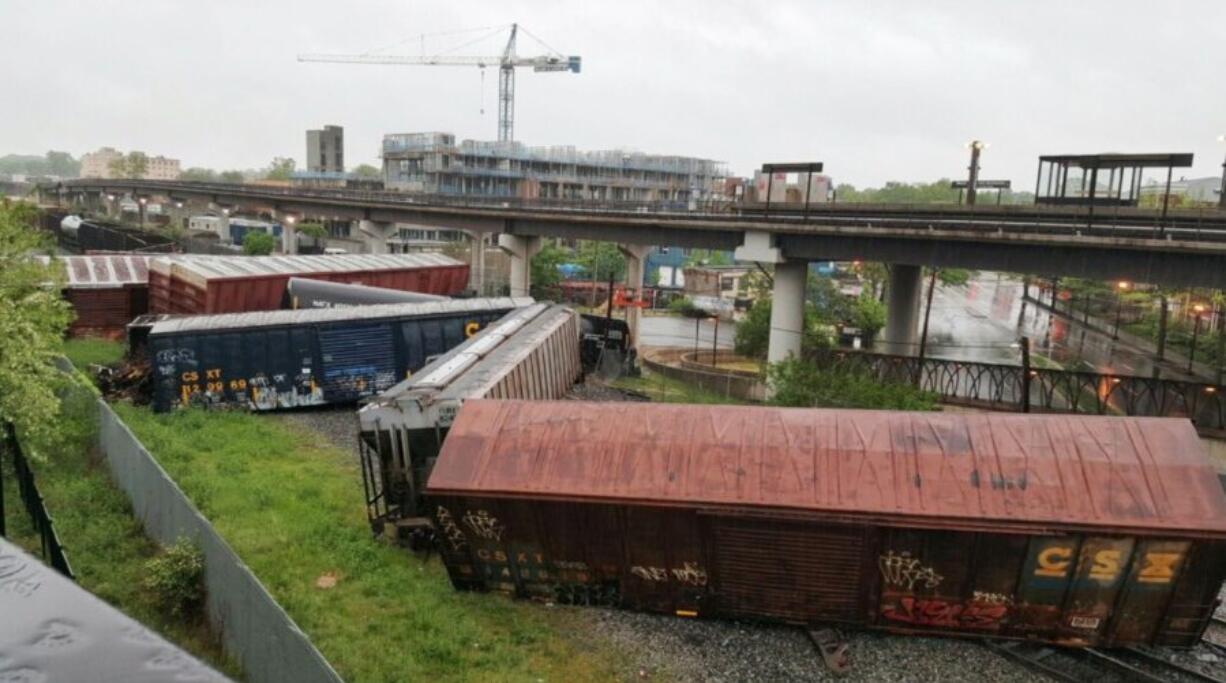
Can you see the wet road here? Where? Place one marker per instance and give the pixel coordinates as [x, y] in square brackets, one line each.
[670, 331]
[983, 320]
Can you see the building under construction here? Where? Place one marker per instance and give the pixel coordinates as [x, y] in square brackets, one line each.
[433, 163]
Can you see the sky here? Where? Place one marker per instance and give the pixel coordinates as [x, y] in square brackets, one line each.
[877, 91]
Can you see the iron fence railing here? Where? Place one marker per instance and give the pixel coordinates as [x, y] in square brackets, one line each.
[52, 549]
[1022, 388]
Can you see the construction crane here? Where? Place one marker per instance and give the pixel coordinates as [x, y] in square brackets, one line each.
[507, 62]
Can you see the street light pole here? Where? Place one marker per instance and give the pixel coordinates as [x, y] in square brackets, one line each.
[1221, 193]
[972, 179]
[1120, 288]
[1199, 308]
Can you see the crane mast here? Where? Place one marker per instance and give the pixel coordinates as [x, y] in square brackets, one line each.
[507, 62]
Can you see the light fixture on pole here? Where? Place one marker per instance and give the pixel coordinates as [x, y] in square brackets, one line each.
[1198, 309]
[1120, 288]
[972, 178]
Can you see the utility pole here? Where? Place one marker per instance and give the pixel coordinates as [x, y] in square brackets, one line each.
[1221, 193]
[972, 179]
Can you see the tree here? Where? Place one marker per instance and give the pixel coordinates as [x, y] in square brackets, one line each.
[603, 261]
[315, 231]
[258, 243]
[200, 175]
[33, 318]
[707, 257]
[231, 177]
[281, 168]
[62, 164]
[868, 314]
[134, 165]
[367, 171]
[954, 277]
[544, 265]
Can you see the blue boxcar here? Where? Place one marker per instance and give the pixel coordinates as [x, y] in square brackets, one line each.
[286, 359]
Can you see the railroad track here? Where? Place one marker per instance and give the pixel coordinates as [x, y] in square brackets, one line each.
[1080, 665]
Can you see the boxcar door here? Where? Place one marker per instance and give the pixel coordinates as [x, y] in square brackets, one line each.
[358, 360]
[787, 570]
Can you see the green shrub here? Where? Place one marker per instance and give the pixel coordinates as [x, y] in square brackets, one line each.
[258, 243]
[176, 578]
[801, 384]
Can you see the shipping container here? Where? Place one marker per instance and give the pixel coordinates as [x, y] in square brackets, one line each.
[532, 352]
[257, 283]
[286, 359]
[303, 292]
[1076, 530]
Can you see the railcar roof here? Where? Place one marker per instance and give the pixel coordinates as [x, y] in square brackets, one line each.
[254, 319]
[973, 470]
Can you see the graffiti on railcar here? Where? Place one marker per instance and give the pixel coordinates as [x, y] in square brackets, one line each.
[689, 574]
[971, 614]
[902, 571]
[451, 531]
[484, 525]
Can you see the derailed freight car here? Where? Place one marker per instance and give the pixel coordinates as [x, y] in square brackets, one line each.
[531, 353]
[288, 359]
[1077, 530]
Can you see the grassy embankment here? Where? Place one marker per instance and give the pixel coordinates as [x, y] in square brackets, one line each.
[104, 542]
[292, 508]
[669, 390]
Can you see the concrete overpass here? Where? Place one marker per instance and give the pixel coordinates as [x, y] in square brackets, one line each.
[1180, 248]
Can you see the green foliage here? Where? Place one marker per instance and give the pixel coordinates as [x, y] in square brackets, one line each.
[668, 390]
[33, 318]
[800, 383]
[231, 177]
[258, 243]
[868, 314]
[53, 163]
[176, 578]
[954, 277]
[315, 231]
[602, 258]
[752, 338]
[707, 257]
[896, 192]
[367, 171]
[88, 351]
[544, 266]
[197, 174]
[134, 165]
[682, 305]
[281, 168]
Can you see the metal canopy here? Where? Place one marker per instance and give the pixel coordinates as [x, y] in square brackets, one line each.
[794, 167]
[1114, 160]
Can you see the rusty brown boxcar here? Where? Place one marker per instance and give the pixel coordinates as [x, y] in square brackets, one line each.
[1079, 530]
[235, 284]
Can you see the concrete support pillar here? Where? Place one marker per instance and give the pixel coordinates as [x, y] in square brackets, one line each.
[521, 249]
[636, 262]
[476, 268]
[903, 309]
[289, 236]
[375, 234]
[787, 311]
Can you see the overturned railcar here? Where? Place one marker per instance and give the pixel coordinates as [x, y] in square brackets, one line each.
[532, 353]
[1076, 530]
[287, 359]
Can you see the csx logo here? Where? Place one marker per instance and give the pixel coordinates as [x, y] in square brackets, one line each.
[1156, 567]
[471, 328]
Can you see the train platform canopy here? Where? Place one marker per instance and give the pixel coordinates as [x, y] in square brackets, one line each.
[1100, 179]
[302, 316]
[54, 630]
[1023, 473]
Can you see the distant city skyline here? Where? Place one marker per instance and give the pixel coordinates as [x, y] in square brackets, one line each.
[886, 92]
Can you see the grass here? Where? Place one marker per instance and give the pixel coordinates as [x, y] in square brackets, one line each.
[103, 541]
[87, 351]
[669, 390]
[292, 508]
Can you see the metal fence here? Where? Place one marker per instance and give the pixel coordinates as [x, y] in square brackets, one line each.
[253, 627]
[1023, 388]
[52, 549]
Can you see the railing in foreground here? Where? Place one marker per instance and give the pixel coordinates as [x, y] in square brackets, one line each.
[40, 519]
[1020, 388]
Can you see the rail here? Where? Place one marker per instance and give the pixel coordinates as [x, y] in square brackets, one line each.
[1000, 386]
[52, 549]
[1185, 225]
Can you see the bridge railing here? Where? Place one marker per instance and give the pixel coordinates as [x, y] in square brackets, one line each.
[1000, 386]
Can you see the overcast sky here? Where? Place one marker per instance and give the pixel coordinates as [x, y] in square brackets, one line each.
[878, 91]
